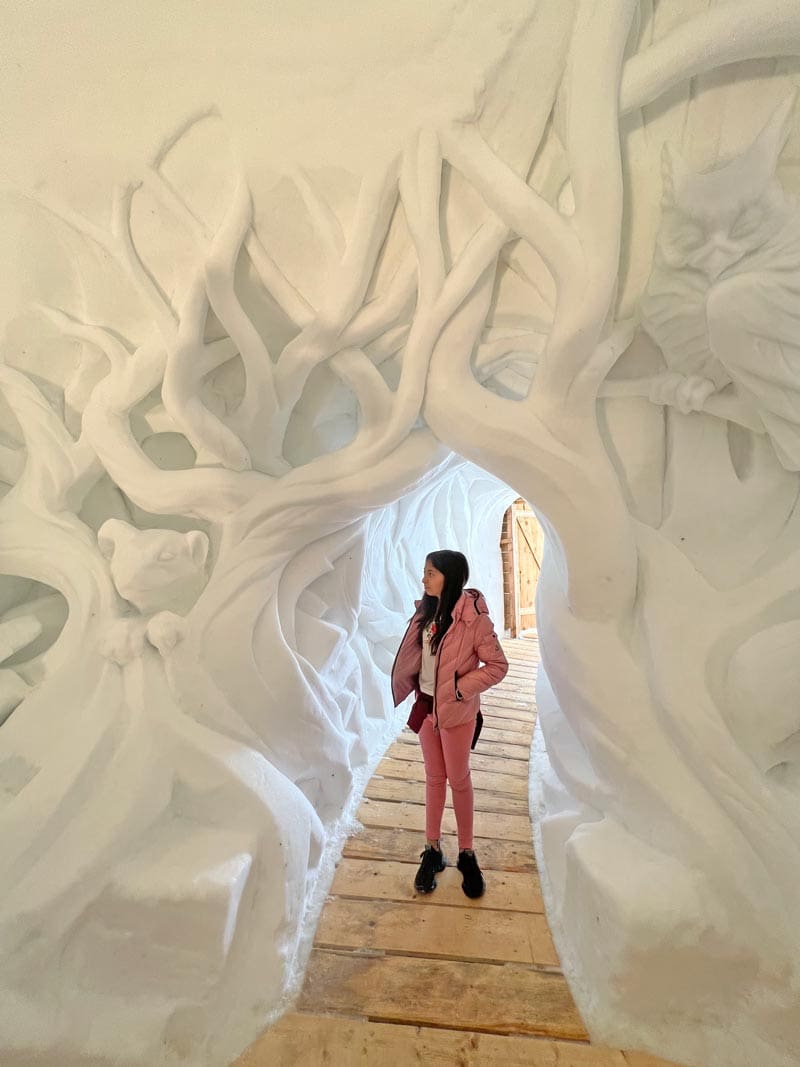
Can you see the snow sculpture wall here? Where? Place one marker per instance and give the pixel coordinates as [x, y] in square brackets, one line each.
[219, 384]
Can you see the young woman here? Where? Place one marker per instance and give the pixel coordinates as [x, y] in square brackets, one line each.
[449, 636]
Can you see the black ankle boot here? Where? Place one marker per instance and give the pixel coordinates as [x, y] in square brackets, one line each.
[433, 861]
[473, 883]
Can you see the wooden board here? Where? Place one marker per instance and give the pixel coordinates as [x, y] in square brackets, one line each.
[479, 934]
[495, 998]
[306, 1040]
[496, 781]
[527, 653]
[506, 698]
[494, 730]
[411, 816]
[515, 698]
[506, 751]
[477, 761]
[414, 793]
[512, 718]
[515, 718]
[392, 880]
[404, 845]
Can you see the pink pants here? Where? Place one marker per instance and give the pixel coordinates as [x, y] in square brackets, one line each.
[446, 756]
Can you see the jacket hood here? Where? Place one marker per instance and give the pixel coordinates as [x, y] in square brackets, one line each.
[470, 605]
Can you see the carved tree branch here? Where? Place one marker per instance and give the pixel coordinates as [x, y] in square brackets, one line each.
[364, 489]
[58, 471]
[150, 292]
[727, 33]
[346, 290]
[296, 308]
[59, 551]
[204, 493]
[372, 393]
[724, 405]
[561, 461]
[256, 417]
[183, 373]
[385, 310]
[524, 211]
[420, 190]
[42, 538]
[568, 373]
[426, 327]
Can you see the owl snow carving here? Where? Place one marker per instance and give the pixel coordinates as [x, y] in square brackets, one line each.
[723, 300]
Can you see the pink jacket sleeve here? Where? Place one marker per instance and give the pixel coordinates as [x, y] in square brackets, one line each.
[491, 655]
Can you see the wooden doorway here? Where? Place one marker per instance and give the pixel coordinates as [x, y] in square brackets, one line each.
[522, 544]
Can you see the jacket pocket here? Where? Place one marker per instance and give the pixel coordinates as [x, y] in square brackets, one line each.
[455, 686]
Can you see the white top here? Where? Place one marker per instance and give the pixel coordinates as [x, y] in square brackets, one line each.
[427, 671]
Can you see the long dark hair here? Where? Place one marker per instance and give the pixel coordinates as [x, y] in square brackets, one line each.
[454, 567]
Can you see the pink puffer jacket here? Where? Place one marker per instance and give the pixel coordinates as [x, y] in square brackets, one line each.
[470, 641]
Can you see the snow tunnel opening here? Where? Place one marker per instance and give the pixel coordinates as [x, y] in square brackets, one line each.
[466, 509]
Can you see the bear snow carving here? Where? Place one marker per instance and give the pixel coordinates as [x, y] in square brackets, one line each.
[160, 573]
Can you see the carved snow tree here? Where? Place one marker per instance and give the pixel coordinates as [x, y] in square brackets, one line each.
[668, 603]
[189, 471]
[197, 491]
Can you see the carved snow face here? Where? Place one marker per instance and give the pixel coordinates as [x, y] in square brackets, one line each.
[154, 569]
[713, 220]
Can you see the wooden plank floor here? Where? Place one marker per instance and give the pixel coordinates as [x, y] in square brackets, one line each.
[400, 978]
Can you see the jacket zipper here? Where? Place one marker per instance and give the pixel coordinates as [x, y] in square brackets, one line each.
[436, 682]
[436, 666]
[436, 661]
